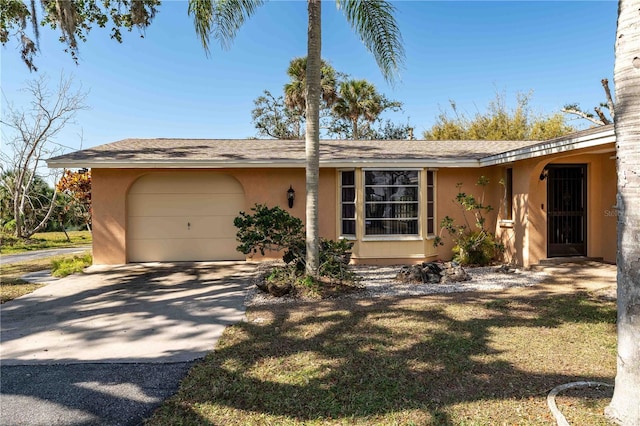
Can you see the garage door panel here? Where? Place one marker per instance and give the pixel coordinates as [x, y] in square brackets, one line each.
[183, 216]
[187, 183]
[177, 227]
[179, 204]
[183, 250]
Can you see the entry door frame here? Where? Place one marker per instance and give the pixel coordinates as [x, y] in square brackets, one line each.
[567, 210]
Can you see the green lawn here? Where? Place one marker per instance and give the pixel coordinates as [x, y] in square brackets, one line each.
[44, 240]
[457, 359]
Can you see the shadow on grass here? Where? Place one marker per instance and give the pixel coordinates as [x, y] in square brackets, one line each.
[400, 361]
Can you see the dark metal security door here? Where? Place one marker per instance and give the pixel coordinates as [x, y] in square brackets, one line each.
[567, 210]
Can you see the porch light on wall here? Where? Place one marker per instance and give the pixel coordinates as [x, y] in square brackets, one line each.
[291, 195]
[544, 174]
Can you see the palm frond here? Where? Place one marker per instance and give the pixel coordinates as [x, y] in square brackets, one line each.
[203, 19]
[221, 18]
[230, 16]
[376, 25]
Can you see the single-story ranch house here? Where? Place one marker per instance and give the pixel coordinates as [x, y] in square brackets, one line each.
[175, 199]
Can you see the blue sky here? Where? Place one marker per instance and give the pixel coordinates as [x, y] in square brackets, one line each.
[163, 85]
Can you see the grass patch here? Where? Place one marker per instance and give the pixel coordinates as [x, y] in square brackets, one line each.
[11, 286]
[454, 359]
[70, 265]
[44, 240]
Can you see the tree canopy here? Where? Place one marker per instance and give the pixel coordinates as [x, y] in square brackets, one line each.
[75, 19]
[499, 122]
[349, 108]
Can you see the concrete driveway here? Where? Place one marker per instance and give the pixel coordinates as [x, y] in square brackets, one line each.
[107, 347]
[141, 313]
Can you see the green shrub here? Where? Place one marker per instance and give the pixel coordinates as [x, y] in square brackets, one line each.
[70, 265]
[274, 229]
[476, 248]
[473, 245]
[269, 229]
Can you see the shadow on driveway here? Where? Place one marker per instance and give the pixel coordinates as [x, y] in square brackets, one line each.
[132, 313]
[108, 346]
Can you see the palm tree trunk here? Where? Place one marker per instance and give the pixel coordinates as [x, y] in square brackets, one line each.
[312, 143]
[625, 404]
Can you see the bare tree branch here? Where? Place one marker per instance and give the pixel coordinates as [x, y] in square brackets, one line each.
[582, 114]
[30, 138]
[610, 104]
[603, 117]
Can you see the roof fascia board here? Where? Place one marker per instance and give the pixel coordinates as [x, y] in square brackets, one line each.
[549, 148]
[207, 164]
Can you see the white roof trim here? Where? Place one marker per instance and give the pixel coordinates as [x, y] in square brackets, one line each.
[551, 147]
[207, 164]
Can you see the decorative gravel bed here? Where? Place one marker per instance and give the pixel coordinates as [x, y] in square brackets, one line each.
[380, 281]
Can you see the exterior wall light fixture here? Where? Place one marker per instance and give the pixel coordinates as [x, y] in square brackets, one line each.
[291, 195]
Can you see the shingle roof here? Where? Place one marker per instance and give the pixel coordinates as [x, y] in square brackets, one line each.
[255, 152]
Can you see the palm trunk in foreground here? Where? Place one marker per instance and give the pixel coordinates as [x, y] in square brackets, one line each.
[625, 405]
[312, 143]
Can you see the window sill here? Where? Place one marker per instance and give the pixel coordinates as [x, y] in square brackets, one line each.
[506, 223]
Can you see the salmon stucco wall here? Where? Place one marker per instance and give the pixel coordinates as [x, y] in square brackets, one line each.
[266, 186]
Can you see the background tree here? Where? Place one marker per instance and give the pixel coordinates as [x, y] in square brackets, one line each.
[77, 187]
[295, 89]
[601, 119]
[74, 19]
[274, 119]
[499, 123]
[29, 136]
[357, 107]
[625, 406]
[388, 130]
[284, 117]
[36, 202]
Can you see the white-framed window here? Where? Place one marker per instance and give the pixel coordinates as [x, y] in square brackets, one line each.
[348, 203]
[391, 202]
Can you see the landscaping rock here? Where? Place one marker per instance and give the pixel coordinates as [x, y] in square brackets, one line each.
[454, 272]
[426, 272]
[276, 289]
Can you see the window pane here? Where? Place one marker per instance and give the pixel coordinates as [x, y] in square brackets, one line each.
[348, 194]
[348, 227]
[348, 178]
[391, 200]
[397, 193]
[391, 227]
[392, 211]
[348, 211]
[430, 178]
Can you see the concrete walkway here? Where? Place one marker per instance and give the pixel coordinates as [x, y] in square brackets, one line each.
[107, 347]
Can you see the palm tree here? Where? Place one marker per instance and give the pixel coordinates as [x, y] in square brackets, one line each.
[294, 91]
[625, 405]
[374, 22]
[359, 102]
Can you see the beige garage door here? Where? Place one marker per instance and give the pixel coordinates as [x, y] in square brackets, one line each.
[183, 217]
